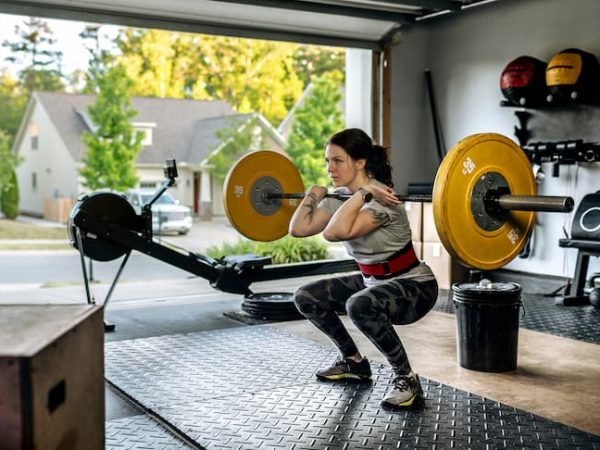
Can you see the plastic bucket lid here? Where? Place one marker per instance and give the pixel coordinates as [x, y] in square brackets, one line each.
[501, 292]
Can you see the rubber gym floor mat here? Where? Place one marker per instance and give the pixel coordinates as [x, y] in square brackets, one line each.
[254, 388]
[140, 432]
[540, 313]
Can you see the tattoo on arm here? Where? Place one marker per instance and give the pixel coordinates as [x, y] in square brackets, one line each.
[379, 217]
[311, 206]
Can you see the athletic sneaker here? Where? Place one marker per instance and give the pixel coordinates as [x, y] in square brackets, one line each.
[346, 369]
[407, 389]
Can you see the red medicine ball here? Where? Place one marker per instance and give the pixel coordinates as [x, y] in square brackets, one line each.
[523, 81]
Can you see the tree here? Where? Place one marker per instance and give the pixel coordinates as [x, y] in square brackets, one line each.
[99, 60]
[113, 146]
[9, 189]
[312, 61]
[250, 75]
[34, 52]
[235, 140]
[9, 200]
[157, 60]
[12, 104]
[315, 120]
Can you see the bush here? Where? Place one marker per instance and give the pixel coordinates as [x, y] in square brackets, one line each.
[9, 198]
[282, 251]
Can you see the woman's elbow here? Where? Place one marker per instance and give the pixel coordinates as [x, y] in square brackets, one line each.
[297, 232]
[332, 236]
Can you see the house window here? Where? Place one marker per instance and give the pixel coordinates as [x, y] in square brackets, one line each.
[147, 140]
[34, 181]
[147, 184]
[34, 136]
[146, 129]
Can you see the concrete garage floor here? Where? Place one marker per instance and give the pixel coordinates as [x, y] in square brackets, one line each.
[557, 378]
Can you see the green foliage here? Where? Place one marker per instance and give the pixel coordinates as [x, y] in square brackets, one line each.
[9, 199]
[315, 120]
[9, 161]
[12, 104]
[250, 75]
[9, 189]
[99, 60]
[283, 251]
[158, 60]
[238, 138]
[34, 52]
[312, 61]
[112, 148]
[241, 247]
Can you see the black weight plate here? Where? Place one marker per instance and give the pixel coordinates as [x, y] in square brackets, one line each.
[289, 306]
[272, 316]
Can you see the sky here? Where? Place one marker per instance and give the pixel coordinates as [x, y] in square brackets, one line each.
[66, 32]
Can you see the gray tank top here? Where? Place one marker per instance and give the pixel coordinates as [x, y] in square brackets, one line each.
[379, 245]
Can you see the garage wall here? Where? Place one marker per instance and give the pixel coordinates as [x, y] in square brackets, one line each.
[466, 54]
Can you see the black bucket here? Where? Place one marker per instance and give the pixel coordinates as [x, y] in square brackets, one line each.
[487, 319]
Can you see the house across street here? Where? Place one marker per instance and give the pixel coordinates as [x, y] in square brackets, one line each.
[50, 142]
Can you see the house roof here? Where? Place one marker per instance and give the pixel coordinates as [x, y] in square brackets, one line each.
[185, 129]
[205, 133]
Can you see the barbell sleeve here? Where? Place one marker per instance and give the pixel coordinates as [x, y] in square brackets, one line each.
[544, 203]
[505, 202]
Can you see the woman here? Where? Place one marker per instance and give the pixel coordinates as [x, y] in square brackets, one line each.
[393, 288]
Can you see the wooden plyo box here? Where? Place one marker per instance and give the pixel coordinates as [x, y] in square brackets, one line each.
[51, 377]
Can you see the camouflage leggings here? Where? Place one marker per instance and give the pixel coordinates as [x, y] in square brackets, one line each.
[374, 310]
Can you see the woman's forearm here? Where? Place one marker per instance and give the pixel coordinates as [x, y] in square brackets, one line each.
[341, 227]
[304, 221]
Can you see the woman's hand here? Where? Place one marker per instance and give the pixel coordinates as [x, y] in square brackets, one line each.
[384, 195]
[317, 192]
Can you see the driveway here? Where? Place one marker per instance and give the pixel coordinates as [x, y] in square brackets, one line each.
[205, 234]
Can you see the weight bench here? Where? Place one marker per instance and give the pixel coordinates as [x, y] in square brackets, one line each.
[586, 248]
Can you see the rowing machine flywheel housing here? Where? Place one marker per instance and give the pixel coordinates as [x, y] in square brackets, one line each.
[107, 211]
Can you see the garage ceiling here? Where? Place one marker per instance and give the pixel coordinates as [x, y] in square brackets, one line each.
[366, 24]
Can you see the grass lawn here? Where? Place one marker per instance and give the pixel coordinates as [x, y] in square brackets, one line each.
[12, 229]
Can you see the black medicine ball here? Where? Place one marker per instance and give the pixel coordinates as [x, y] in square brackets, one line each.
[523, 81]
[573, 75]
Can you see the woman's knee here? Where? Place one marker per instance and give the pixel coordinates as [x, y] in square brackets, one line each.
[307, 300]
[358, 307]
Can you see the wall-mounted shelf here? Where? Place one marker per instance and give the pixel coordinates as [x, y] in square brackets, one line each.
[565, 133]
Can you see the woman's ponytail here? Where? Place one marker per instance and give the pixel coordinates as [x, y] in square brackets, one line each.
[378, 165]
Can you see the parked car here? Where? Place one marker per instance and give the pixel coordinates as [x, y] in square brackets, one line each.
[168, 215]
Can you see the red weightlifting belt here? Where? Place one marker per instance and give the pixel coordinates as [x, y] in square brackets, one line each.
[400, 262]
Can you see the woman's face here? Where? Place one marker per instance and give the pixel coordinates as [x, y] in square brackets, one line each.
[342, 169]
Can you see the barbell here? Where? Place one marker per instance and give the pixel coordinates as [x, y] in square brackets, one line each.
[484, 199]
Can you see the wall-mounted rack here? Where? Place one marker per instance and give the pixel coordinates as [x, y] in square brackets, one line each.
[561, 134]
